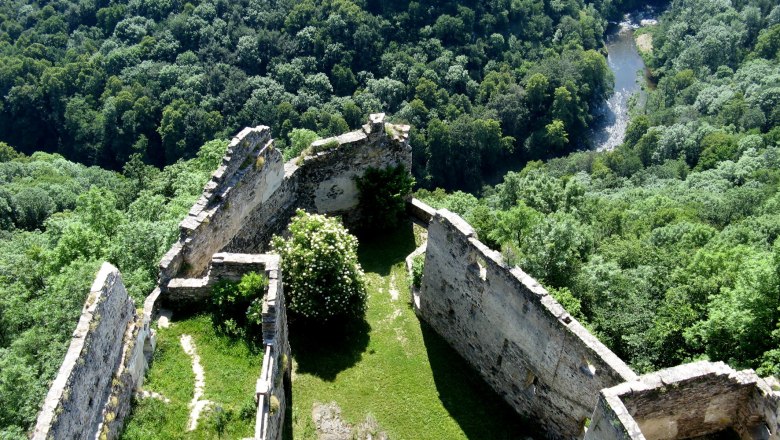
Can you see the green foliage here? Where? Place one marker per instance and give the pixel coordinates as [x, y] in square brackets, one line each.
[150, 82]
[230, 367]
[396, 351]
[382, 197]
[418, 266]
[59, 220]
[238, 306]
[323, 278]
[665, 265]
[300, 140]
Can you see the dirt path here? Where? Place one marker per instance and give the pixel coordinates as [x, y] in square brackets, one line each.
[196, 405]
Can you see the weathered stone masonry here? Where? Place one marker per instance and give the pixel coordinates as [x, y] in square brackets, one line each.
[274, 375]
[547, 366]
[687, 401]
[524, 344]
[250, 197]
[74, 403]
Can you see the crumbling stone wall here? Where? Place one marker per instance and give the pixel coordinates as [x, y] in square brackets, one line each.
[253, 194]
[73, 408]
[250, 197]
[273, 386]
[522, 342]
[273, 383]
[687, 401]
[324, 182]
[251, 172]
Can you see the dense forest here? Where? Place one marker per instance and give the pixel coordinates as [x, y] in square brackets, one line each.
[59, 221]
[103, 81]
[668, 246]
[135, 86]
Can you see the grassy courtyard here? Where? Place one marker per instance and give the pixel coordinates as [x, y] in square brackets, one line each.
[230, 369]
[392, 366]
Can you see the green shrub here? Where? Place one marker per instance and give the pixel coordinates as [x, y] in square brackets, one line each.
[331, 144]
[418, 264]
[383, 196]
[238, 307]
[248, 410]
[300, 140]
[322, 276]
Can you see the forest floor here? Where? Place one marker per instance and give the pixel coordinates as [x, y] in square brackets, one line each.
[391, 372]
[228, 369]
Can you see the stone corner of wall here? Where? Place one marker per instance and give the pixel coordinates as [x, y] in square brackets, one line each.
[454, 221]
[420, 210]
[91, 358]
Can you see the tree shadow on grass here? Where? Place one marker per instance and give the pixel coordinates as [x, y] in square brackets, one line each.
[325, 350]
[479, 411]
[379, 252]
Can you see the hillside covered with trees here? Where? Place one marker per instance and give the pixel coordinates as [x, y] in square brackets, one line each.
[668, 246]
[58, 221]
[102, 81]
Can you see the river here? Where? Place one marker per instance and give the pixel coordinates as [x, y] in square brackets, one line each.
[628, 67]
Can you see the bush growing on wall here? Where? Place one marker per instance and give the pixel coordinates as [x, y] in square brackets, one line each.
[418, 266]
[238, 307]
[323, 279]
[383, 196]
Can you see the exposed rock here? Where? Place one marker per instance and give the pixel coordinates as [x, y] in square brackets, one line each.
[330, 425]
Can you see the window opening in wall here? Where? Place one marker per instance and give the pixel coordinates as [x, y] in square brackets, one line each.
[478, 265]
[482, 268]
[530, 383]
[584, 425]
[588, 368]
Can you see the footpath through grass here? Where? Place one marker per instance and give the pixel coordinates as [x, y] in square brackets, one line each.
[393, 367]
[231, 368]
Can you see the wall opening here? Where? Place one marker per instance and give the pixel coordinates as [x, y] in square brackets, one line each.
[531, 381]
[588, 368]
[478, 266]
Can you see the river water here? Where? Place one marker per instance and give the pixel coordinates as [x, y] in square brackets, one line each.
[626, 64]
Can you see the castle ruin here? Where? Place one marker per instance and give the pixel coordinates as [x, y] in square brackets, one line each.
[524, 344]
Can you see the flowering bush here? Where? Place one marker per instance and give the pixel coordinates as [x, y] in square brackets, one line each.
[322, 277]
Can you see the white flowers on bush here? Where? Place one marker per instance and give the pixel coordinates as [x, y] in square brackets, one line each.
[320, 269]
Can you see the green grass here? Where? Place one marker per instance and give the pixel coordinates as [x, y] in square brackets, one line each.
[393, 367]
[231, 368]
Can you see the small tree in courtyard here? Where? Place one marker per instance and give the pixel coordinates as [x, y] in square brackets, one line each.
[322, 277]
[383, 195]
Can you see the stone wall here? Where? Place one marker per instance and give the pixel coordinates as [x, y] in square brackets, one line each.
[251, 172]
[229, 266]
[253, 194]
[522, 342]
[273, 383]
[273, 386]
[323, 182]
[74, 405]
[687, 401]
